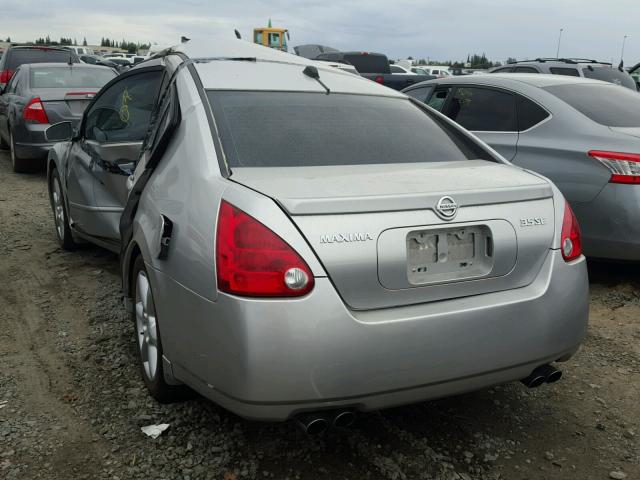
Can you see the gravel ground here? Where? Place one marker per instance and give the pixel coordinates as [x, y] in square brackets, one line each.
[72, 403]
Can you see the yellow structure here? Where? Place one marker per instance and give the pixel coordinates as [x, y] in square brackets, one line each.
[272, 37]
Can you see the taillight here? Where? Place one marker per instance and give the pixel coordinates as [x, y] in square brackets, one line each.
[379, 79]
[570, 238]
[253, 261]
[34, 111]
[5, 76]
[624, 167]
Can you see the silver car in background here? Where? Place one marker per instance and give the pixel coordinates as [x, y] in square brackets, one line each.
[292, 247]
[582, 134]
[39, 95]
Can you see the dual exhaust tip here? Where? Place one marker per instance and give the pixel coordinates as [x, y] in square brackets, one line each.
[542, 374]
[317, 423]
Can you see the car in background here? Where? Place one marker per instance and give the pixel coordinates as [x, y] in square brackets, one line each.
[582, 134]
[635, 74]
[399, 69]
[138, 58]
[17, 55]
[80, 50]
[437, 71]
[123, 64]
[572, 67]
[42, 94]
[354, 211]
[98, 60]
[374, 66]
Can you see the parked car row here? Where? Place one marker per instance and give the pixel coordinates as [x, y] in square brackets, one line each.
[359, 250]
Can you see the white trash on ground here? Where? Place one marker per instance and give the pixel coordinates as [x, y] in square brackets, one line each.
[154, 431]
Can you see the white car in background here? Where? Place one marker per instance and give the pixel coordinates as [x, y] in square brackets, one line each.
[437, 70]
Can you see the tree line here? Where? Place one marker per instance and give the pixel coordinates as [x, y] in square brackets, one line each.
[131, 47]
[476, 61]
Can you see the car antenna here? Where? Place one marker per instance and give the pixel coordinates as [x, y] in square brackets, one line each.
[312, 72]
[238, 36]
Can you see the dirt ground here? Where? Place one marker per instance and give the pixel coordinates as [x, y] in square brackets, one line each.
[72, 402]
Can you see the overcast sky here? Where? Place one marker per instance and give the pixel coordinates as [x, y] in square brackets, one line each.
[435, 29]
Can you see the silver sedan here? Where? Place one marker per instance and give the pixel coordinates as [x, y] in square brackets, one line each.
[291, 246]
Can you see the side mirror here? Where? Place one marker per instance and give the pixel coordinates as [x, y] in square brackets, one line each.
[59, 132]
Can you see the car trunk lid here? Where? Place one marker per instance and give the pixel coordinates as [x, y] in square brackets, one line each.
[63, 104]
[377, 230]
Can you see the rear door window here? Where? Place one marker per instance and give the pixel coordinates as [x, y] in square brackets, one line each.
[20, 56]
[605, 104]
[290, 129]
[420, 93]
[122, 113]
[611, 75]
[570, 72]
[439, 98]
[395, 69]
[483, 109]
[530, 113]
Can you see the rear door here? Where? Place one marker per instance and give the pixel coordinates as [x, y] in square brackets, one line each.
[100, 162]
[490, 113]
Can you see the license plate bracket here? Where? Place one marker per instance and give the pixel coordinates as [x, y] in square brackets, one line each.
[449, 254]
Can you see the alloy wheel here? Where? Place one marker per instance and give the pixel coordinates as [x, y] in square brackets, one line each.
[146, 326]
[58, 208]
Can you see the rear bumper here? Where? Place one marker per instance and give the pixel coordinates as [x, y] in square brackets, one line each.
[271, 359]
[30, 142]
[611, 223]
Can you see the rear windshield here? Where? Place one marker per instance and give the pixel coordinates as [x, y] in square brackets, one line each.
[289, 129]
[611, 75]
[66, 77]
[20, 56]
[608, 105]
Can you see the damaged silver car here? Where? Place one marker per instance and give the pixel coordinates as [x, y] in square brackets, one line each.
[296, 241]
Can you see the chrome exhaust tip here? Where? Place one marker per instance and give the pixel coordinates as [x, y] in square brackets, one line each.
[344, 419]
[551, 373]
[312, 424]
[542, 374]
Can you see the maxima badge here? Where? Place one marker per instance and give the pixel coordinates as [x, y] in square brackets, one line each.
[446, 208]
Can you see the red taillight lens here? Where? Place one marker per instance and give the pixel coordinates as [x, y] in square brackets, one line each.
[379, 79]
[624, 167]
[34, 112]
[253, 261]
[570, 238]
[5, 76]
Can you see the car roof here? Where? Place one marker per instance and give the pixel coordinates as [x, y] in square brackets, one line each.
[513, 79]
[261, 68]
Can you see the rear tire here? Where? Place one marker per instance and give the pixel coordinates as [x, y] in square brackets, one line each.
[19, 165]
[60, 217]
[148, 341]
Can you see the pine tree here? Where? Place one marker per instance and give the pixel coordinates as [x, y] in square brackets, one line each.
[84, 42]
